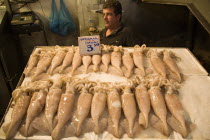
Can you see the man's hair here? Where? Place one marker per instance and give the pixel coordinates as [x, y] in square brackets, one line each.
[115, 4]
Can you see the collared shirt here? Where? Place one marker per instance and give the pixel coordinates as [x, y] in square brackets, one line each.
[120, 37]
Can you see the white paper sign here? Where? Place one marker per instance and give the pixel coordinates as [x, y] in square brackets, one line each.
[89, 45]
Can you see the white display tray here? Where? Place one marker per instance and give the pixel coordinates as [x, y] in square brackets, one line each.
[194, 95]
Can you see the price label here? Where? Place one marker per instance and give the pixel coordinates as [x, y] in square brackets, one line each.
[89, 45]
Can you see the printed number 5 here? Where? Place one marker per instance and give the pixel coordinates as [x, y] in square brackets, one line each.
[90, 48]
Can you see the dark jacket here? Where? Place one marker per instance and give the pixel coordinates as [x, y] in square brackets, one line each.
[123, 36]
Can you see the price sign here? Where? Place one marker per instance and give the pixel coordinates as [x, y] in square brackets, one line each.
[89, 45]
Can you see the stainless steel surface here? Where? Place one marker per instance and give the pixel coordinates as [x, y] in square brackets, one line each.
[203, 17]
[200, 8]
[174, 2]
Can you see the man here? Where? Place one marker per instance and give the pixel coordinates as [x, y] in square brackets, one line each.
[115, 33]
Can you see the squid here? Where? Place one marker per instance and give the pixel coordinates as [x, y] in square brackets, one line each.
[18, 113]
[175, 125]
[156, 123]
[40, 123]
[96, 60]
[32, 62]
[83, 107]
[129, 108]
[43, 64]
[57, 82]
[52, 102]
[159, 106]
[38, 85]
[143, 101]
[98, 106]
[171, 64]
[36, 105]
[128, 63]
[138, 57]
[57, 59]
[86, 60]
[64, 111]
[158, 64]
[18, 92]
[116, 59]
[175, 107]
[106, 59]
[114, 109]
[31, 130]
[76, 62]
[68, 59]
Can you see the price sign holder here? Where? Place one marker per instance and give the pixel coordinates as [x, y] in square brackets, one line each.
[89, 45]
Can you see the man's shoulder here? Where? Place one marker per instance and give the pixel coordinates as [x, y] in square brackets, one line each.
[126, 29]
[102, 32]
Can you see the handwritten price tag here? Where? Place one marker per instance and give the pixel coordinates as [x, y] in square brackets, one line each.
[89, 45]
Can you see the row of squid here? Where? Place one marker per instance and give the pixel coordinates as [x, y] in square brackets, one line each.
[60, 59]
[56, 108]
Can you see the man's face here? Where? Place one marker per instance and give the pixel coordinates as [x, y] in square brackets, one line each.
[110, 19]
